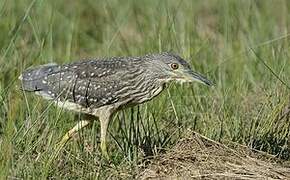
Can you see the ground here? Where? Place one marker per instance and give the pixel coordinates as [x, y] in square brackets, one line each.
[243, 46]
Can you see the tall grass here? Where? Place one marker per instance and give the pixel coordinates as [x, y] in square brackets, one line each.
[241, 45]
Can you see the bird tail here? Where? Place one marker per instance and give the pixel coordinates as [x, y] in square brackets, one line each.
[34, 79]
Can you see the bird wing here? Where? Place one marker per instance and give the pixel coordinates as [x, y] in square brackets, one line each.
[91, 83]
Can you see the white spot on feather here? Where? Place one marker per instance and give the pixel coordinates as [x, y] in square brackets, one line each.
[73, 107]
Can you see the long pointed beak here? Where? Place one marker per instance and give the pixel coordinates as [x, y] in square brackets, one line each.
[193, 76]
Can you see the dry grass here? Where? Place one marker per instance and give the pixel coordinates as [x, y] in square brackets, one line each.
[197, 157]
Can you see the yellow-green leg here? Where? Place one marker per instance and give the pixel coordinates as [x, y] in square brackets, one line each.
[104, 121]
[67, 136]
[73, 131]
[104, 127]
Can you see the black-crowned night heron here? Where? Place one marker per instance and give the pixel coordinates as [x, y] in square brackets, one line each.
[100, 87]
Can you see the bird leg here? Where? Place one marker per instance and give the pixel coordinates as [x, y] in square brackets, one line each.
[73, 131]
[67, 136]
[104, 121]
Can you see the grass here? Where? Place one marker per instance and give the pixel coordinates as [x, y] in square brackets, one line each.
[243, 46]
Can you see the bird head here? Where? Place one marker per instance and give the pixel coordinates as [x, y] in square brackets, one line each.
[170, 67]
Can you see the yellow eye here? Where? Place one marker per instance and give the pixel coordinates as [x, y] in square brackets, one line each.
[174, 66]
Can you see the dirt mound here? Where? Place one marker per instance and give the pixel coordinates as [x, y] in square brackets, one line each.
[197, 157]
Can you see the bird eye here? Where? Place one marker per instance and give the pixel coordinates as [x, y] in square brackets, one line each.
[174, 66]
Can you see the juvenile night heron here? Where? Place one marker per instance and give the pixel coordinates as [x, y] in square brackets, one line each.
[100, 87]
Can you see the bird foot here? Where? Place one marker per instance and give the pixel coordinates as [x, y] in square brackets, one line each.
[104, 151]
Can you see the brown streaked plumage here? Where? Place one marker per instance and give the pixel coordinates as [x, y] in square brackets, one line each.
[100, 87]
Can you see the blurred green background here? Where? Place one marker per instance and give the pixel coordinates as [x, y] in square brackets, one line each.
[243, 46]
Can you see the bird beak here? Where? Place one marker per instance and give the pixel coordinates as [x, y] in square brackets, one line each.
[193, 76]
